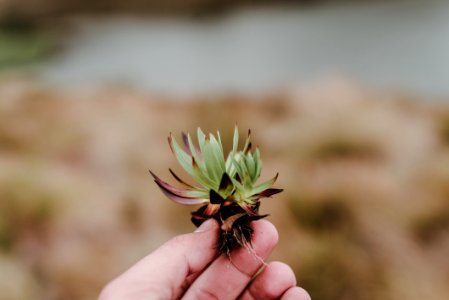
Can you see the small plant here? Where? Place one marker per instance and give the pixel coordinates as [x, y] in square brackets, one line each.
[227, 188]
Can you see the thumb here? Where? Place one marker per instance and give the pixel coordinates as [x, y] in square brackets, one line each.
[163, 274]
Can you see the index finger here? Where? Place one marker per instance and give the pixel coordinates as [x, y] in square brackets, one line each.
[163, 273]
[226, 277]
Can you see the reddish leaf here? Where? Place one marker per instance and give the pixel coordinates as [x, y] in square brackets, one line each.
[185, 140]
[175, 194]
[212, 209]
[180, 180]
[227, 224]
[268, 193]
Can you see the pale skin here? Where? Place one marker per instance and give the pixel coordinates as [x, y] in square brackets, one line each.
[187, 267]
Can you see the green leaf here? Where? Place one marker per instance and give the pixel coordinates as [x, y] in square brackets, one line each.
[195, 154]
[207, 168]
[237, 166]
[183, 158]
[235, 142]
[201, 139]
[217, 150]
[201, 176]
[238, 186]
[247, 146]
[209, 160]
[219, 141]
[258, 162]
[189, 164]
[263, 186]
[251, 166]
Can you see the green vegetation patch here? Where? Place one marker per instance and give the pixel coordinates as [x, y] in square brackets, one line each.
[333, 273]
[429, 227]
[25, 206]
[327, 214]
[22, 44]
[338, 147]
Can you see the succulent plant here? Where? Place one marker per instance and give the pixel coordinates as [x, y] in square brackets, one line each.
[227, 187]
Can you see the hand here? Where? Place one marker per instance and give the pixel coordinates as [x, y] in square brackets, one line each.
[188, 267]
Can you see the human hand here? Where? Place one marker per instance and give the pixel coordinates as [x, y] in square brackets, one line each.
[187, 267]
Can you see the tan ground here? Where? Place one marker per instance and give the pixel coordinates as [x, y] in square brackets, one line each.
[364, 215]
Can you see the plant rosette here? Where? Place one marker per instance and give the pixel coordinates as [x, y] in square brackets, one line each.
[226, 188]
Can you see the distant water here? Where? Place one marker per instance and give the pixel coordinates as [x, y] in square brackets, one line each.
[387, 44]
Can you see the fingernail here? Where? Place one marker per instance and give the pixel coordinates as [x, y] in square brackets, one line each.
[206, 226]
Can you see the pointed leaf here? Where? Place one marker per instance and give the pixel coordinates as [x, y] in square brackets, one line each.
[258, 163]
[180, 180]
[201, 176]
[217, 150]
[201, 139]
[238, 168]
[263, 186]
[247, 146]
[235, 142]
[183, 158]
[196, 153]
[238, 185]
[219, 140]
[185, 193]
[250, 166]
[268, 193]
[209, 160]
[229, 167]
[185, 140]
[180, 199]
[227, 224]
[245, 175]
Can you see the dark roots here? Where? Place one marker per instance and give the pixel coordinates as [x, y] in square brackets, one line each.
[235, 225]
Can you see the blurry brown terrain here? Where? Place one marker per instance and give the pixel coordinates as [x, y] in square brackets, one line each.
[55, 8]
[364, 214]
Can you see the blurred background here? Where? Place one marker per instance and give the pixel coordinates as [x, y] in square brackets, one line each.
[348, 101]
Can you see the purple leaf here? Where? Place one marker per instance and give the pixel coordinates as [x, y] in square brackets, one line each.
[185, 140]
[180, 180]
[268, 193]
[178, 195]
